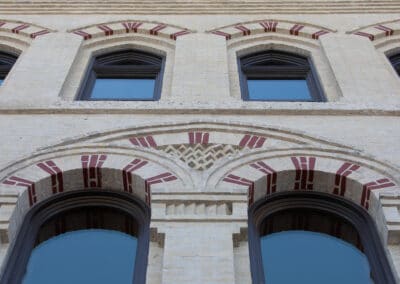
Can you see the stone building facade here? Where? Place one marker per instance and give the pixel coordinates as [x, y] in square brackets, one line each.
[200, 155]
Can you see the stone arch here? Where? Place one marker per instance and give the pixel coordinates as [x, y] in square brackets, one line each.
[162, 30]
[22, 30]
[156, 38]
[39, 178]
[362, 180]
[378, 31]
[287, 36]
[279, 27]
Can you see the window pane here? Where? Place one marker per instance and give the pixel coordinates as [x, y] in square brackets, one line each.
[123, 89]
[1, 82]
[278, 90]
[82, 257]
[305, 257]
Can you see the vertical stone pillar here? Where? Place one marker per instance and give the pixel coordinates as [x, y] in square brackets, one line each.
[369, 77]
[40, 72]
[198, 253]
[200, 69]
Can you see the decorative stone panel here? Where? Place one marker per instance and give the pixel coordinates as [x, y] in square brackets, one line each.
[199, 156]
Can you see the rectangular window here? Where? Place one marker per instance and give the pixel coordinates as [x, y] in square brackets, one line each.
[123, 89]
[278, 90]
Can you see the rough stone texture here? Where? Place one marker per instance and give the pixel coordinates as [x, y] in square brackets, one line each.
[199, 217]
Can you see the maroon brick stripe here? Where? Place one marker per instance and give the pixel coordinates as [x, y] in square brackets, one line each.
[30, 185]
[341, 175]
[304, 172]
[128, 169]
[270, 174]
[243, 29]
[155, 30]
[57, 183]
[373, 185]
[370, 36]
[91, 170]
[16, 30]
[226, 35]
[131, 26]
[269, 26]
[296, 29]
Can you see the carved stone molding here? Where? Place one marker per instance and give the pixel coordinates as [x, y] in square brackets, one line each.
[200, 156]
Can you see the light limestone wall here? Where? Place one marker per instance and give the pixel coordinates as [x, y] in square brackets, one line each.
[208, 67]
[37, 111]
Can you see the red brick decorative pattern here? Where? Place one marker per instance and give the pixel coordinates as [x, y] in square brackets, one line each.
[367, 35]
[267, 26]
[57, 184]
[226, 35]
[91, 170]
[378, 31]
[243, 29]
[83, 34]
[340, 179]
[23, 29]
[242, 181]
[144, 141]
[128, 169]
[161, 178]
[17, 181]
[39, 33]
[131, 26]
[174, 36]
[107, 30]
[150, 28]
[252, 141]
[296, 29]
[368, 187]
[19, 28]
[304, 172]
[198, 137]
[388, 31]
[316, 35]
[269, 173]
[155, 30]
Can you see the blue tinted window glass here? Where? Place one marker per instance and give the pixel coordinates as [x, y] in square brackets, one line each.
[1, 82]
[123, 89]
[312, 258]
[278, 90]
[82, 257]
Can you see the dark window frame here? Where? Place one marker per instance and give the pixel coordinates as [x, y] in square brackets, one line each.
[116, 65]
[20, 250]
[7, 61]
[291, 66]
[344, 209]
[395, 61]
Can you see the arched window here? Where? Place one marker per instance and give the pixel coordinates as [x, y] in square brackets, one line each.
[395, 60]
[82, 237]
[278, 76]
[314, 238]
[124, 75]
[6, 63]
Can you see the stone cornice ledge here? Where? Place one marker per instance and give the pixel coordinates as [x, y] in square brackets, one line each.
[256, 108]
